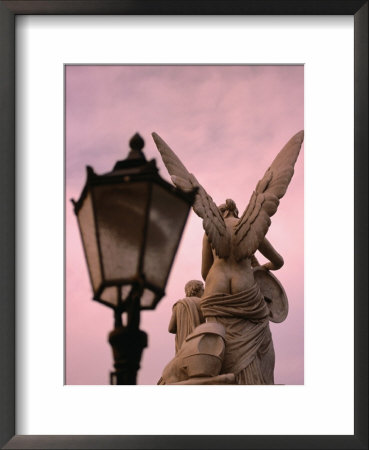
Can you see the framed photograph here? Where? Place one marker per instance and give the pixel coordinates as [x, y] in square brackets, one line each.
[77, 80]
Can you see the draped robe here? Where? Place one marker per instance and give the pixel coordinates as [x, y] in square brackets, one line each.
[186, 316]
[249, 346]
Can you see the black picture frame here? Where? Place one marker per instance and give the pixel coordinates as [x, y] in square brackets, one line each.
[8, 12]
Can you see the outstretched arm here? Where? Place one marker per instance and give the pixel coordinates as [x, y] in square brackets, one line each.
[276, 260]
[207, 257]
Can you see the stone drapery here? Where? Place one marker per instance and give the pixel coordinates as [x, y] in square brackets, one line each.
[186, 316]
[249, 346]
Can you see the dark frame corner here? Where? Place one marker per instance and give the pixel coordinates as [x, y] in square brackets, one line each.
[8, 12]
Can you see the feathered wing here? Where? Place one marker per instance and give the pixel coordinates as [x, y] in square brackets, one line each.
[255, 221]
[203, 206]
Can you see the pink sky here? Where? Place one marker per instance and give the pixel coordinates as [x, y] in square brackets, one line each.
[226, 123]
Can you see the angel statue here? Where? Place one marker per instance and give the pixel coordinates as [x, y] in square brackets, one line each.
[237, 303]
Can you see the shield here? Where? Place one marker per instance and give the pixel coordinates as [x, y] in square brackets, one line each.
[274, 294]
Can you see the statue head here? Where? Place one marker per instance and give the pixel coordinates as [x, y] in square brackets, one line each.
[228, 208]
[194, 288]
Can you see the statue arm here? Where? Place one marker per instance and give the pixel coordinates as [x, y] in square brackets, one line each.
[207, 257]
[275, 259]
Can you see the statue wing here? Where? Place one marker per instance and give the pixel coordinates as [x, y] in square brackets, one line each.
[255, 221]
[203, 206]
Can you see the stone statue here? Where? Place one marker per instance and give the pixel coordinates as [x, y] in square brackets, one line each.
[235, 299]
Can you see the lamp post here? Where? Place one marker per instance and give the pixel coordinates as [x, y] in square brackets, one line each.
[131, 221]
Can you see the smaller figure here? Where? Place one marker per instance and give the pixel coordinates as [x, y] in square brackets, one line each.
[187, 315]
[199, 346]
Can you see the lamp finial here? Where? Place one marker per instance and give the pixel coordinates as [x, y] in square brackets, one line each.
[136, 144]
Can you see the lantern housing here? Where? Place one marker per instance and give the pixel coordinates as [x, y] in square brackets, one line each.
[131, 221]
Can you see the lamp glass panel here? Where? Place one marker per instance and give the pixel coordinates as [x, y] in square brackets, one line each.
[125, 290]
[147, 298]
[111, 295]
[120, 216]
[167, 216]
[114, 295]
[88, 232]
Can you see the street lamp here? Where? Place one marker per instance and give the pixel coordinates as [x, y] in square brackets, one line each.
[131, 221]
